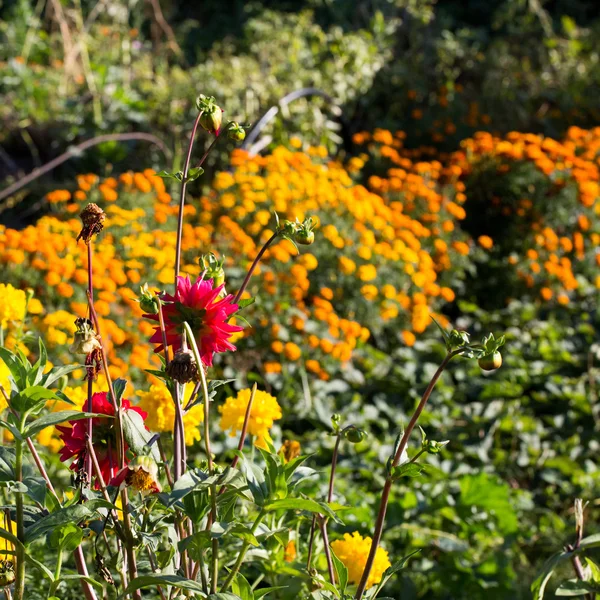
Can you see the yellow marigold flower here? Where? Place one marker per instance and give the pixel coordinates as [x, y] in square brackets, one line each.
[289, 554]
[347, 265]
[292, 351]
[367, 273]
[265, 411]
[34, 307]
[159, 405]
[12, 307]
[353, 551]
[409, 338]
[369, 291]
[485, 241]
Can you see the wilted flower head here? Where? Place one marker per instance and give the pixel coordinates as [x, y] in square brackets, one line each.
[199, 305]
[92, 217]
[353, 551]
[183, 368]
[104, 438]
[264, 412]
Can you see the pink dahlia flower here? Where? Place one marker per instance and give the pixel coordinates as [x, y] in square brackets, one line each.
[104, 437]
[200, 306]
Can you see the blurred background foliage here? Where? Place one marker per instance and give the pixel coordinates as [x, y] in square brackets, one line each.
[524, 440]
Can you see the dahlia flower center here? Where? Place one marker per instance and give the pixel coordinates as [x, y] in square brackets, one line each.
[141, 481]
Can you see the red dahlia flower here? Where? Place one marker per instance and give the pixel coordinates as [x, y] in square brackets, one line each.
[104, 437]
[200, 306]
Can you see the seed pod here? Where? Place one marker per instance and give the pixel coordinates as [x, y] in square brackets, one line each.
[183, 368]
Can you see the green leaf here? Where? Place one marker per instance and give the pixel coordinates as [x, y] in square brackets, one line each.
[177, 175]
[407, 470]
[575, 587]
[391, 571]
[119, 388]
[66, 537]
[37, 371]
[223, 596]
[341, 572]
[7, 461]
[55, 418]
[70, 514]
[194, 173]
[135, 433]
[145, 581]
[244, 302]
[15, 366]
[77, 577]
[56, 373]
[242, 588]
[31, 398]
[195, 544]
[538, 587]
[264, 591]
[302, 504]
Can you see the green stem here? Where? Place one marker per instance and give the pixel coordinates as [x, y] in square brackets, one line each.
[242, 554]
[54, 585]
[385, 494]
[253, 266]
[20, 549]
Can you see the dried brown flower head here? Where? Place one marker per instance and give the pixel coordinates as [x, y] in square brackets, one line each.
[92, 217]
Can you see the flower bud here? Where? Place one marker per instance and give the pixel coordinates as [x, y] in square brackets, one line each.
[354, 435]
[490, 362]
[304, 234]
[236, 132]
[7, 573]
[458, 338]
[213, 268]
[148, 302]
[212, 115]
[433, 447]
[183, 368]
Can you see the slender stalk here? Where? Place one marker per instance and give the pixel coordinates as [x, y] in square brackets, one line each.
[213, 487]
[186, 170]
[179, 435]
[240, 559]
[90, 386]
[244, 432]
[253, 266]
[129, 541]
[327, 550]
[385, 495]
[311, 542]
[20, 549]
[163, 457]
[82, 569]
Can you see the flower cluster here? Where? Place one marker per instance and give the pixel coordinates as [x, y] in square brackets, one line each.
[264, 412]
[353, 551]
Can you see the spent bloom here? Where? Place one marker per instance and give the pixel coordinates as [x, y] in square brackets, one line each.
[159, 405]
[104, 436]
[141, 474]
[353, 551]
[199, 305]
[264, 412]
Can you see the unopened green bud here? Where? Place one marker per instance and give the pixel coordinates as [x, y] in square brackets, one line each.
[489, 362]
[236, 132]
[354, 435]
[212, 114]
[433, 447]
[148, 301]
[458, 338]
[213, 268]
